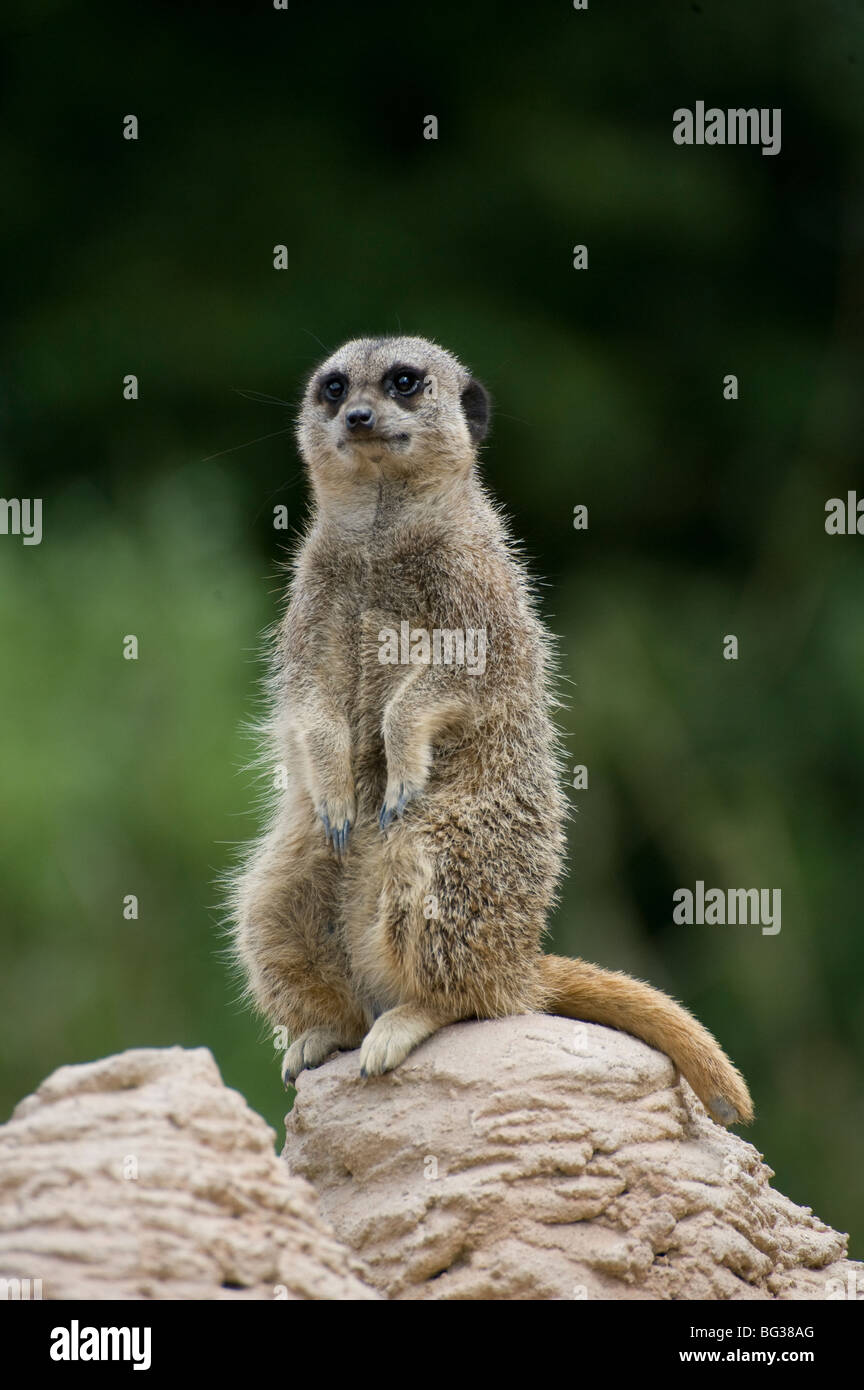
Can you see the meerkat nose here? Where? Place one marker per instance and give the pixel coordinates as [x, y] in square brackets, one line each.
[361, 417]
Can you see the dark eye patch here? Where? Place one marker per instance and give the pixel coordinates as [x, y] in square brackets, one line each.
[332, 387]
[402, 381]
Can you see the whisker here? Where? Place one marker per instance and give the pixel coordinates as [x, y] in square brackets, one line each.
[222, 452]
[288, 482]
[323, 346]
[260, 396]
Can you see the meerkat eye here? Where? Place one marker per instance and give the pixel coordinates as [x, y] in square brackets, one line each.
[406, 382]
[334, 389]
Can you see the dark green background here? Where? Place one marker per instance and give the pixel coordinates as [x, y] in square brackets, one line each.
[706, 516]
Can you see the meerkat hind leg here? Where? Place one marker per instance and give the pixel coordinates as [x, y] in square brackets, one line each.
[396, 1033]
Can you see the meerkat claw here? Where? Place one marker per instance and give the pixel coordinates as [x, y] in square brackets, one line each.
[337, 835]
[392, 810]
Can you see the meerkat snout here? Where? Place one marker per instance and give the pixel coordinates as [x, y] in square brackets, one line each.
[362, 417]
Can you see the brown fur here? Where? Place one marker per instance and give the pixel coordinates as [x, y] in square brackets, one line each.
[334, 920]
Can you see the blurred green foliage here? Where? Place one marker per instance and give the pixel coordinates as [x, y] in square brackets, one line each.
[706, 516]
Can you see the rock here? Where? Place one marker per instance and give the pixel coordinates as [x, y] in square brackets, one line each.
[212, 1212]
[541, 1158]
[527, 1158]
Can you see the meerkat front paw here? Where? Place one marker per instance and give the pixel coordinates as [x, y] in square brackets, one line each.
[309, 1050]
[396, 798]
[337, 818]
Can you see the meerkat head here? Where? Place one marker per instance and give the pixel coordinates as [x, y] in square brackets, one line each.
[392, 409]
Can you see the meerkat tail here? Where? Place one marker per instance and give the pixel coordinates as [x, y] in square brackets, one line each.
[576, 989]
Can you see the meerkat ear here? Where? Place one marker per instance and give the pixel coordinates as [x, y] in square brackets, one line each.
[476, 406]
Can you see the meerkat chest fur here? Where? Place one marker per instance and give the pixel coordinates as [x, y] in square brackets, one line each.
[402, 590]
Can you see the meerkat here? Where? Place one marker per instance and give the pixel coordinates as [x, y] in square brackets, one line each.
[410, 863]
